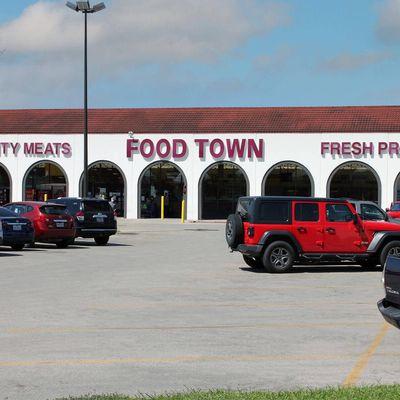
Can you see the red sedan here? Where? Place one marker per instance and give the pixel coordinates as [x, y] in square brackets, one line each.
[51, 222]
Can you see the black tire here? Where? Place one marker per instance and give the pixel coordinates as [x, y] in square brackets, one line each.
[368, 263]
[252, 262]
[391, 249]
[278, 257]
[17, 246]
[63, 244]
[101, 240]
[234, 233]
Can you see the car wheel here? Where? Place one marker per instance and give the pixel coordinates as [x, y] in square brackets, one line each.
[391, 249]
[63, 244]
[17, 247]
[234, 233]
[368, 263]
[278, 257]
[101, 240]
[252, 262]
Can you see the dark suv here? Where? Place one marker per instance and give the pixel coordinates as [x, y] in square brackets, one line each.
[276, 232]
[93, 218]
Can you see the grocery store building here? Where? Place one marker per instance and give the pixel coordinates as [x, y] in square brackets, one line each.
[205, 156]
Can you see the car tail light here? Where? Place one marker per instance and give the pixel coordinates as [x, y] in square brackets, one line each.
[250, 231]
[80, 216]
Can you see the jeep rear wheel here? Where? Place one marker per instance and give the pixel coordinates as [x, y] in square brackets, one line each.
[252, 262]
[391, 249]
[278, 257]
[234, 231]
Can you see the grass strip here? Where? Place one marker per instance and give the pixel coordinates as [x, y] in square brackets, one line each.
[358, 393]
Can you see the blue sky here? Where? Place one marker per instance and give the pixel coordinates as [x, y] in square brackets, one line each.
[239, 53]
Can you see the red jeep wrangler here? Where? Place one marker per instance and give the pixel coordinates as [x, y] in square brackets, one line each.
[276, 232]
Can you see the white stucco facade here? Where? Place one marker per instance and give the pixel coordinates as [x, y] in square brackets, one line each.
[304, 149]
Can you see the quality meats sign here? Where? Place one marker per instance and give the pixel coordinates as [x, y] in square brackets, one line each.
[35, 149]
[179, 149]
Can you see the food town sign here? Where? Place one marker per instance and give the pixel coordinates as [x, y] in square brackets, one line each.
[179, 149]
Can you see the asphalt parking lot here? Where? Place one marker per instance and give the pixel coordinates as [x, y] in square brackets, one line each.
[166, 307]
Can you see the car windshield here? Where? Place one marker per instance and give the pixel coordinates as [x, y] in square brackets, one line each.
[53, 209]
[95, 206]
[395, 207]
[6, 213]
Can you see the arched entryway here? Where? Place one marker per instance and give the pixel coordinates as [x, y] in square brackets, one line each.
[220, 187]
[159, 179]
[5, 186]
[288, 179]
[107, 181]
[355, 180]
[45, 180]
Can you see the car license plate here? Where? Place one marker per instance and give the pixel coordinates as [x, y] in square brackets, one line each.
[17, 228]
[60, 224]
[100, 219]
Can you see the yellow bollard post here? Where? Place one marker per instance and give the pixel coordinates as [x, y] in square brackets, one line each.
[45, 196]
[162, 206]
[183, 212]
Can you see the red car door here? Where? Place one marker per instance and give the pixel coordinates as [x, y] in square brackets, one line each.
[308, 225]
[341, 233]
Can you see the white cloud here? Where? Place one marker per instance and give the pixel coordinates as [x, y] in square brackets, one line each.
[44, 44]
[388, 27]
[353, 62]
[273, 62]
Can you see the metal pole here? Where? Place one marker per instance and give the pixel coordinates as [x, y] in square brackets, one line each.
[85, 135]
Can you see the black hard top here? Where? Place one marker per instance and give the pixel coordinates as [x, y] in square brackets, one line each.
[294, 198]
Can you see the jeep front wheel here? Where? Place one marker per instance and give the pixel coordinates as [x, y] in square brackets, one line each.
[391, 249]
[278, 257]
[252, 262]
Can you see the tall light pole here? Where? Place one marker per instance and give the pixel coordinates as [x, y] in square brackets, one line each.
[85, 8]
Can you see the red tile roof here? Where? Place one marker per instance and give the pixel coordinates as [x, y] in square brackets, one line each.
[204, 120]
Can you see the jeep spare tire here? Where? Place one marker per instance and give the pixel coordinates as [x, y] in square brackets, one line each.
[234, 231]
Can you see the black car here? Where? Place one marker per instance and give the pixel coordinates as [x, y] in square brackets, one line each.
[390, 305]
[93, 218]
[15, 231]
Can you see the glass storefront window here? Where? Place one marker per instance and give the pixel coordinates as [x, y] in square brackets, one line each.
[162, 179]
[356, 181]
[5, 186]
[288, 179]
[106, 182]
[221, 186]
[45, 180]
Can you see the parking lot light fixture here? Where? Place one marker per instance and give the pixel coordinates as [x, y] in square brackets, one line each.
[85, 8]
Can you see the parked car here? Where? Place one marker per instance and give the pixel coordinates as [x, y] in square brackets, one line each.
[394, 210]
[276, 232]
[370, 211]
[93, 218]
[51, 222]
[390, 305]
[15, 231]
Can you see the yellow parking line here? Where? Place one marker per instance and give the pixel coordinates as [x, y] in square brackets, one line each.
[178, 359]
[341, 324]
[355, 374]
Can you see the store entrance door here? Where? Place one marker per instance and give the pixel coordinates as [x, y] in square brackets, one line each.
[158, 180]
